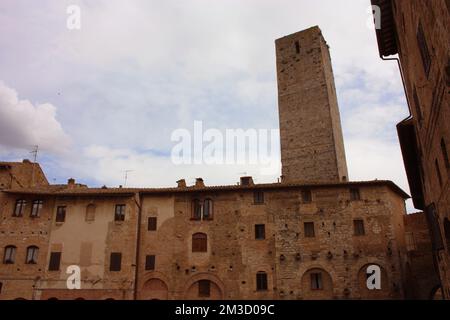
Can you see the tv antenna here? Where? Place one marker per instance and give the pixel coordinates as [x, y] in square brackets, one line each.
[34, 152]
[126, 176]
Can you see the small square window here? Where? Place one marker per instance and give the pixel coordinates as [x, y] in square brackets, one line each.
[60, 214]
[260, 231]
[258, 197]
[358, 226]
[354, 194]
[152, 223]
[150, 262]
[306, 196]
[115, 262]
[119, 214]
[316, 281]
[309, 230]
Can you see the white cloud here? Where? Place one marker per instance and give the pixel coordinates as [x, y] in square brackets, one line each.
[23, 125]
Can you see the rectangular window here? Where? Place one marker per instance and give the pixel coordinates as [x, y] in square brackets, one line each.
[152, 223]
[438, 172]
[258, 197]
[150, 262]
[297, 47]
[424, 52]
[354, 194]
[204, 288]
[261, 281]
[119, 214]
[358, 227]
[306, 196]
[260, 231]
[36, 208]
[19, 208]
[309, 229]
[445, 154]
[115, 262]
[55, 261]
[61, 214]
[316, 281]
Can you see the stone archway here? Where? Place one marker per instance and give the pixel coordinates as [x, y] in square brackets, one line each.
[365, 292]
[317, 284]
[204, 287]
[154, 289]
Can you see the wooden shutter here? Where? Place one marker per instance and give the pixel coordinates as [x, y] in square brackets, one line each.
[55, 261]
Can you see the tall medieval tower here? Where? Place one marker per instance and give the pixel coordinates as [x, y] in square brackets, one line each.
[312, 147]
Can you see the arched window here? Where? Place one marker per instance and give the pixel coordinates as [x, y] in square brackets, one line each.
[261, 281]
[199, 242]
[196, 209]
[207, 209]
[10, 255]
[90, 212]
[32, 255]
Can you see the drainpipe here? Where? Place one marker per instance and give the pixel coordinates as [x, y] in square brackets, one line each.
[138, 241]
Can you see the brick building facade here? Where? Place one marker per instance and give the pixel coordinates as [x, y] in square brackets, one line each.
[310, 236]
[417, 31]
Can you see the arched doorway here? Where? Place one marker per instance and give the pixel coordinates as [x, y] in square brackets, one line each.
[317, 284]
[204, 286]
[155, 289]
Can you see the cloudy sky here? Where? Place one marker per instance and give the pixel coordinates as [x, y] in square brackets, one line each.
[106, 98]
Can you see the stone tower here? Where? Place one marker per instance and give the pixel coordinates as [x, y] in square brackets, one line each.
[312, 147]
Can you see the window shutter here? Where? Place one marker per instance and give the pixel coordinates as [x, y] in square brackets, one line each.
[150, 262]
[115, 261]
[152, 223]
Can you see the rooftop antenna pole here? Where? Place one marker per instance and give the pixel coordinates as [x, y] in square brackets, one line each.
[34, 152]
[126, 176]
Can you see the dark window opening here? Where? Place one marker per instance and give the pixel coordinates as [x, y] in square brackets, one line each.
[150, 262]
[445, 154]
[424, 52]
[61, 214]
[316, 281]
[199, 242]
[261, 281]
[115, 262]
[19, 208]
[309, 229]
[152, 223]
[258, 197]
[10, 255]
[119, 214]
[358, 227]
[297, 47]
[36, 208]
[204, 288]
[196, 210]
[306, 196]
[354, 194]
[32, 255]
[260, 231]
[55, 261]
[438, 172]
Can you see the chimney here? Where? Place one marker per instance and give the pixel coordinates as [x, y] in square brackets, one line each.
[26, 161]
[247, 181]
[199, 183]
[71, 183]
[181, 183]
